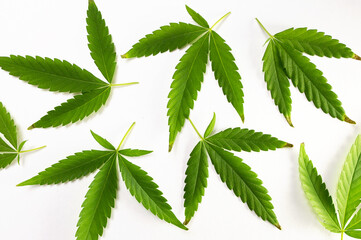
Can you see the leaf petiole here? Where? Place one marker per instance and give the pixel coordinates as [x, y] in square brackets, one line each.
[219, 20]
[194, 127]
[126, 134]
[122, 84]
[34, 149]
[270, 35]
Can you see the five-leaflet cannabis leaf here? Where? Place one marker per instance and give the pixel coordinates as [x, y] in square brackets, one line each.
[233, 171]
[102, 192]
[348, 195]
[9, 147]
[61, 76]
[190, 70]
[283, 60]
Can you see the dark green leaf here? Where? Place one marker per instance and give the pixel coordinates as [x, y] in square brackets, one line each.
[99, 202]
[354, 234]
[54, 75]
[197, 17]
[187, 82]
[210, 127]
[102, 141]
[133, 152]
[7, 126]
[21, 145]
[142, 187]
[6, 159]
[196, 180]
[73, 167]
[100, 42]
[4, 147]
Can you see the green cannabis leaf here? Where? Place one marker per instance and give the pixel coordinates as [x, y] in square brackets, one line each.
[99, 200]
[9, 147]
[190, 70]
[61, 76]
[237, 175]
[348, 195]
[284, 59]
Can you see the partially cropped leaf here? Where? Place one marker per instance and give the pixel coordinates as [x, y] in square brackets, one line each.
[7, 126]
[100, 42]
[53, 75]
[133, 152]
[4, 147]
[6, 159]
[317, 193]
[73, 167]
[197, 17]
[167, 38]
[91, 93]
[276, 79]
[142, 187]
[102, 141]
[349, 184]
[226, 72]
[189, 72]
[243, 139]
[100, 198]
[354, 234]
[355, 222]
[284, 59]
[210, 127]
[187, 82]
[313, 42]
[243, 182]
[196, 180]
[99, 202]
[74, 109]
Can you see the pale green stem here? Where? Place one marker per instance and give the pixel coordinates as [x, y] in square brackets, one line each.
[220, 20]
[270, 35]
[30, 150]
[122, 84]
[194, 127]
[126, 134]
[342, 235]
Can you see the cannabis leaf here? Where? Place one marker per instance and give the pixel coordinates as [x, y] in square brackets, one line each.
[284, 59]
[190, 70]
[237, 175]
[348, 193]
[100, 198]
[9, 147]
[61, 76]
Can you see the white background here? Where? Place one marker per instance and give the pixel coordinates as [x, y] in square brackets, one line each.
[57, 29]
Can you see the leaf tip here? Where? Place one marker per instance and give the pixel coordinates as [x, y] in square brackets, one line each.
[288, 119]
[288, 145]
[170, 147]
[348, 120]
[242, 118]
[31, 127]
[187, 220]
[126, 55]
[356, 57]
[278, 226]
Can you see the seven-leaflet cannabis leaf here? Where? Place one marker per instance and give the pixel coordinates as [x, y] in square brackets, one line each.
[283, 60]
[233, 171]
[61, 76]
[9, 147]
[348, 196]
[102, 192]
[190, 70]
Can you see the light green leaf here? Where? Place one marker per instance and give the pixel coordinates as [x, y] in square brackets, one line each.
[74, 109]
[309, 80]
[277, 81]
[349, 184]
[197, 17]
[6, 159]
[4, 147]
[54, 75]
[210, 127]
[354, 234]
[102, 141]
[73, 167]
[8, 127]
[238, 139]
[21, 145]
[196, 180]
[167, 38]
[99, 202]
[134, 152]
[317, 193]
[100, 42]
[226, 72]
[244, 182]
[313, 42]
[355, 223]
[142, 187]
[187, 82]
